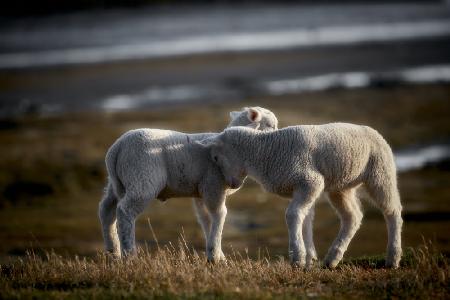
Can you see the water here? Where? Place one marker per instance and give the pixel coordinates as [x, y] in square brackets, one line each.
[151, 33]
[348, 80]
[419, 157]
[67, 63]
[230, 42]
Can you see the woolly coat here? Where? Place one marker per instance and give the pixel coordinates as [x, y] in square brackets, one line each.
[163, 164]
[345, 155]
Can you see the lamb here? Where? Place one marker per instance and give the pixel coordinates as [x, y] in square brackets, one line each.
[301, 162]
[145, 164]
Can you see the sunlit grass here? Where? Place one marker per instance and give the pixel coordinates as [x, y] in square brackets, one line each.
[174, 271]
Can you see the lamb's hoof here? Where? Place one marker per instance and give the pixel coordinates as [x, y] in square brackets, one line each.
[114, 255]
[332, 260]
[393, 259]
[214, 261]
[128, 255]
[297, 265]
[330, 265]
[311, 263]
[327, 267]
[111, 256]
[392, 265]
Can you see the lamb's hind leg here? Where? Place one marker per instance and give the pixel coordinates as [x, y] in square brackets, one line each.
[107, 216]
[128, 210]
[347, 207]
[387, 198]
[296, 214]
[311, 254]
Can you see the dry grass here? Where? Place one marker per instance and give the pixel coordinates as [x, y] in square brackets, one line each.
[180, 271]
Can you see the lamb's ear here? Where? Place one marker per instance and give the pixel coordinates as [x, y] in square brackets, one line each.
[234, 114]
[253, 115]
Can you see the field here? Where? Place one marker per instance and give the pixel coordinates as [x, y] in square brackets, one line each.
[52, 175]
[179, 271]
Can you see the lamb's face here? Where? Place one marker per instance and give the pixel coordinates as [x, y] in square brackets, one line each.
[254, 117]
[224, 156]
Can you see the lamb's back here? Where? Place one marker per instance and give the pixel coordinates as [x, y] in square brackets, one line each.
[148, 153]
[338, 151]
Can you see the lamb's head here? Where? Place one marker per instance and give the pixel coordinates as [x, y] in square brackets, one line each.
[254, 117]
[223, 152]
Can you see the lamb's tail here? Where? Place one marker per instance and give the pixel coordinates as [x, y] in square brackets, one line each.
[111, 165]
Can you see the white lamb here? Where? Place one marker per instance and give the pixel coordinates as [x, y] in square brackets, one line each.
[301, 162]
[145, 164]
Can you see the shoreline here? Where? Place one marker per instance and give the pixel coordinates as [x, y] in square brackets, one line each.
[218, 77]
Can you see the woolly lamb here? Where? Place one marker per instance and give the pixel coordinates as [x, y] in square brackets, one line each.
[145, 164]
[301, 162]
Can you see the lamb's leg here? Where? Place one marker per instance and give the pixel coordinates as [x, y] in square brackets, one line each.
[203, 217]
[311, 254]
[218, 211]
[347, 207]
[107, 216]
[387, 198]
[128, 210]
[296, 213]
[394, 223]
[204, 220]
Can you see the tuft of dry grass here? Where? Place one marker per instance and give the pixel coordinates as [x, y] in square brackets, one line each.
[180, 271]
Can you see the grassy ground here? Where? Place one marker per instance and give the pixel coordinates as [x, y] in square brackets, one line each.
[52, 176]
[173, 272]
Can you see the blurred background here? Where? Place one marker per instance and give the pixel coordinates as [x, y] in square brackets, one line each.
[75, 75]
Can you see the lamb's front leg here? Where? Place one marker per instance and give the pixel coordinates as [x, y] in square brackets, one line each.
[218, 211]
[311, 253]
[203, 217]
[296, 213]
